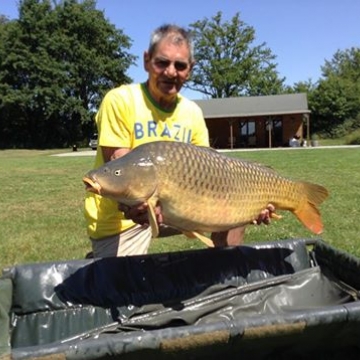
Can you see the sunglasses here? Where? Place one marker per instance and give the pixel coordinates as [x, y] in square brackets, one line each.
[163, 64]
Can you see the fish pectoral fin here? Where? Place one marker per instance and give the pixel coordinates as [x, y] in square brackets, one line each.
[193, 234]
[275, 216]
[152, 221]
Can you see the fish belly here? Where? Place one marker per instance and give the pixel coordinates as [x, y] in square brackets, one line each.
[205, 191]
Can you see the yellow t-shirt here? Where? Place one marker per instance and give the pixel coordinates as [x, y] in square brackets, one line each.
[128, 117]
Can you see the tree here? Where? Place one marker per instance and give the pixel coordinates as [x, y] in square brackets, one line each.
[227, 62]
[57, 61]
[336, 100]
[303, 87]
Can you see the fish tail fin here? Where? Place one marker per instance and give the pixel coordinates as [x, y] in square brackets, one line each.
[308, 212]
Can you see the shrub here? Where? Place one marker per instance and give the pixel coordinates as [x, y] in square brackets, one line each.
[353, 138]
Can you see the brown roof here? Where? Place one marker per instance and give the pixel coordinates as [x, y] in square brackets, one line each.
[246, 106]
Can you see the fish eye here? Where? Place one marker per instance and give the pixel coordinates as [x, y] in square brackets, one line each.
[117, 172]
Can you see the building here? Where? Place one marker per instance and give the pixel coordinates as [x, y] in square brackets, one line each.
[256, 121]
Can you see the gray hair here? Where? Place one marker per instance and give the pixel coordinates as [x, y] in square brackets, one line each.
[177, 34]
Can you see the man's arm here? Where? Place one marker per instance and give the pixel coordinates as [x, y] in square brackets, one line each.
[111, 153]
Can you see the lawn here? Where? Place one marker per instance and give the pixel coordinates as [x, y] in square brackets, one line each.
[41, 216]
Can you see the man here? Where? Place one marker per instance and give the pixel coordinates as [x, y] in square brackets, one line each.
[134, 114]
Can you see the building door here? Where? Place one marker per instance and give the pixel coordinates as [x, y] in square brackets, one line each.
[247, 134]
[274, 132]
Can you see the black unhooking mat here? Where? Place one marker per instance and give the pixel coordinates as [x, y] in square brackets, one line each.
[293, 299]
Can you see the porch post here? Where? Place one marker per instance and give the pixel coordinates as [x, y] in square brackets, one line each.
[269, 127]
[231, 134]
[306, 118]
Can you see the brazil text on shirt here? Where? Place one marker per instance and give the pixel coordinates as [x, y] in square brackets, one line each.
[177, 132]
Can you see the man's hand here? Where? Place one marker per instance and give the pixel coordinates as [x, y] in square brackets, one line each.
[139, 213]
[266, 215]
[235, 237]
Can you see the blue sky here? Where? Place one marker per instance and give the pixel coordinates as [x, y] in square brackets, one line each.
[301, 33]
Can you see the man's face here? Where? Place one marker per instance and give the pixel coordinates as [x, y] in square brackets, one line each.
[168, 67]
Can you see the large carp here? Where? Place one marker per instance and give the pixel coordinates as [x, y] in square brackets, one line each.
[200, 190]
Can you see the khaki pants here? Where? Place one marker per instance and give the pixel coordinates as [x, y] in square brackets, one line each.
[134, 241]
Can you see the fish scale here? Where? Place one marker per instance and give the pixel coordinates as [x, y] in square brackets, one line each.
[201, 190]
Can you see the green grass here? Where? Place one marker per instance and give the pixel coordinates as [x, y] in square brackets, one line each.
[331, 142]
[41, 217]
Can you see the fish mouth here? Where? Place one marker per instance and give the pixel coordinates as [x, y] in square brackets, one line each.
[92, 185]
